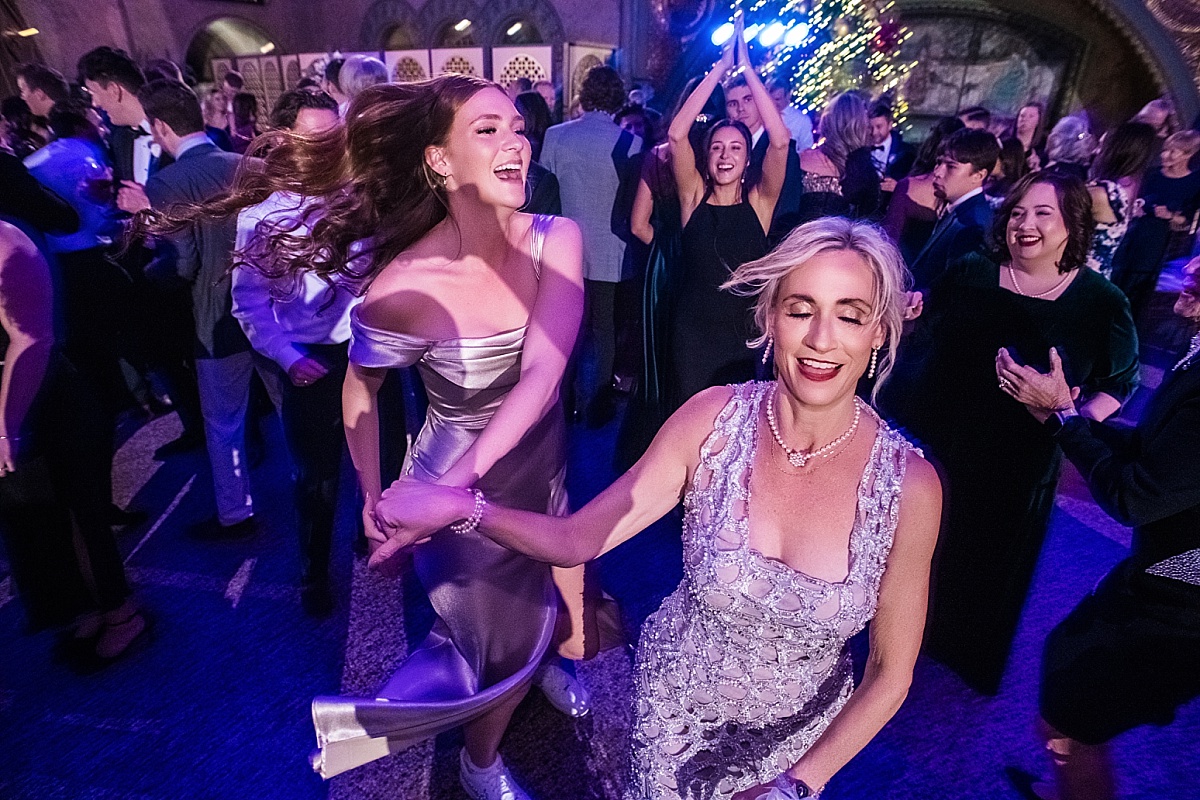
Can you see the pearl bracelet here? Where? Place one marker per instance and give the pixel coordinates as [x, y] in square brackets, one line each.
[472, 522]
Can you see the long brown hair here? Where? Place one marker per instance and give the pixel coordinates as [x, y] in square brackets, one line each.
[377, 196]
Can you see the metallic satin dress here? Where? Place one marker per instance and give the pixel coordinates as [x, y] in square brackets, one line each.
[745, 664]
[496, 608]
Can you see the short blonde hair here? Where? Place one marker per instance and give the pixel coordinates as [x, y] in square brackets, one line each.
[763, 278]
[359, 72]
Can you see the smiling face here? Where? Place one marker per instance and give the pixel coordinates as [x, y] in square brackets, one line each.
[727, 156]
[953, 179]
[881, 129]
[486, 151]
[824, 327]
[740, 106]
[1036, 231]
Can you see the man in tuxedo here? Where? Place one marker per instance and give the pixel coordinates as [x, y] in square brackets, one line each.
[966, 159]
[740, 106]
[892, 155]
[204, 253]
[113, 78]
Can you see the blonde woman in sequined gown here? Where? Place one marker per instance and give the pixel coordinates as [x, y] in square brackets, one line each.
[806, 518]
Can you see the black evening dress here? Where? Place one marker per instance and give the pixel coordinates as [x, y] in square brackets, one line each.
[709, 327]
[1000, 465]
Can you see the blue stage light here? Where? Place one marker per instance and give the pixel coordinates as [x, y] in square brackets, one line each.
[752, 31]
[771, 34]
[722, 34]
[796, 34]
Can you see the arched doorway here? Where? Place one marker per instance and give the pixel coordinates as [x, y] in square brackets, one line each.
[226, 37]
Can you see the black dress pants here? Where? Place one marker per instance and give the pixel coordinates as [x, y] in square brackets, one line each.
[312, 426]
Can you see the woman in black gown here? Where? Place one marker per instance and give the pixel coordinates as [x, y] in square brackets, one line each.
[725, 225]
[1000, 465]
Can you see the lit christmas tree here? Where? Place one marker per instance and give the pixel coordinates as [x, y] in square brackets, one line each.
[825, 47]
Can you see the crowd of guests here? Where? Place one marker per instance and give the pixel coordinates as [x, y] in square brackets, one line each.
[163, 249]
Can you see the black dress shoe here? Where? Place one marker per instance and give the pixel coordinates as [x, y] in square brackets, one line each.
[211, 530]
[119, 516]
[185, 443]
[316, 599]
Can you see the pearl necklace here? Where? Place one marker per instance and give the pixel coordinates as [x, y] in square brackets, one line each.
[1012, 274]
[795, 457]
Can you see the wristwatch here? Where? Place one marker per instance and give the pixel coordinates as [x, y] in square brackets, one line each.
[1055, 422]
[799, 789]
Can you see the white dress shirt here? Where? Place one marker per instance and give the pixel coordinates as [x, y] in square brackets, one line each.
[144, 151]
[880, 154]
[277, 314]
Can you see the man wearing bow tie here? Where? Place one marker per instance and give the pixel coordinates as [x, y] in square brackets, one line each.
[892, 155]
[114, 79]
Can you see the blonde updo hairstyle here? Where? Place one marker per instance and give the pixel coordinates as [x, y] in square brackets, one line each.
[763, 278]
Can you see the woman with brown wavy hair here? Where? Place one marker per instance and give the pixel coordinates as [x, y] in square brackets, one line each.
[419, 196]
[1035, 302]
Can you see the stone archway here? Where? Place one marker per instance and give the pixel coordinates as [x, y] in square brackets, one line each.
[224, 37]
[500, 14]
[381, 20]
[435, 15]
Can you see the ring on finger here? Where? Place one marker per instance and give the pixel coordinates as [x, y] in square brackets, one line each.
[1006, 385]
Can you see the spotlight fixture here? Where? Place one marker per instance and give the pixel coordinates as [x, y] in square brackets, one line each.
[514, 29]
[752, 31]
[27, 32]
[267, 48]
[462, 25]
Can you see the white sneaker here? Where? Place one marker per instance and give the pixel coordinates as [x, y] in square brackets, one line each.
[563, 690]
[491, 783]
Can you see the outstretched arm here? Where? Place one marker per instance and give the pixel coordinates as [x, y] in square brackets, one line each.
[683, 157]
[411, 511]
[553, 326]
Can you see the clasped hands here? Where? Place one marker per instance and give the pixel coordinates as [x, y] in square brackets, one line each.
[1041, 393]
[409, 512]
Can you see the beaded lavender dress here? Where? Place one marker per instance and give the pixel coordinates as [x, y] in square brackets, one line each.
[496, 608]
[745, 664]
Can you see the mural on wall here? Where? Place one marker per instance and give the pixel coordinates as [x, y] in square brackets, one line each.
[964, 61]
[528, 61]
[407, 66]
[461, 60]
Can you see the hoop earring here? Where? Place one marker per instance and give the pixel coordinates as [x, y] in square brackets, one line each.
[874, 362]
[767, 350]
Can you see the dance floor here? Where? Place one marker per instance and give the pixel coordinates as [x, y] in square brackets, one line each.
[216, 704]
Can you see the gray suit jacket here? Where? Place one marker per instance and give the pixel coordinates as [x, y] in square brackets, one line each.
[580, 153]
[204, 252]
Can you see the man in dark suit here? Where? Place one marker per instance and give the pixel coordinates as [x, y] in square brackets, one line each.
[204, 252]
[892, 155]
[740, 106]
[966, 159]
[113, 79]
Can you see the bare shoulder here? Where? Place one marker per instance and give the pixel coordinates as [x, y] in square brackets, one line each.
[921, 501]
[691, 424]
[563, 231]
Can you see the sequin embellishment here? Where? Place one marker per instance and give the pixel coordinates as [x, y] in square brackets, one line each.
[745, 664]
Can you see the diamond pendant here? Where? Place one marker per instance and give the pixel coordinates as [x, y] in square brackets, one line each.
[797, 459]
